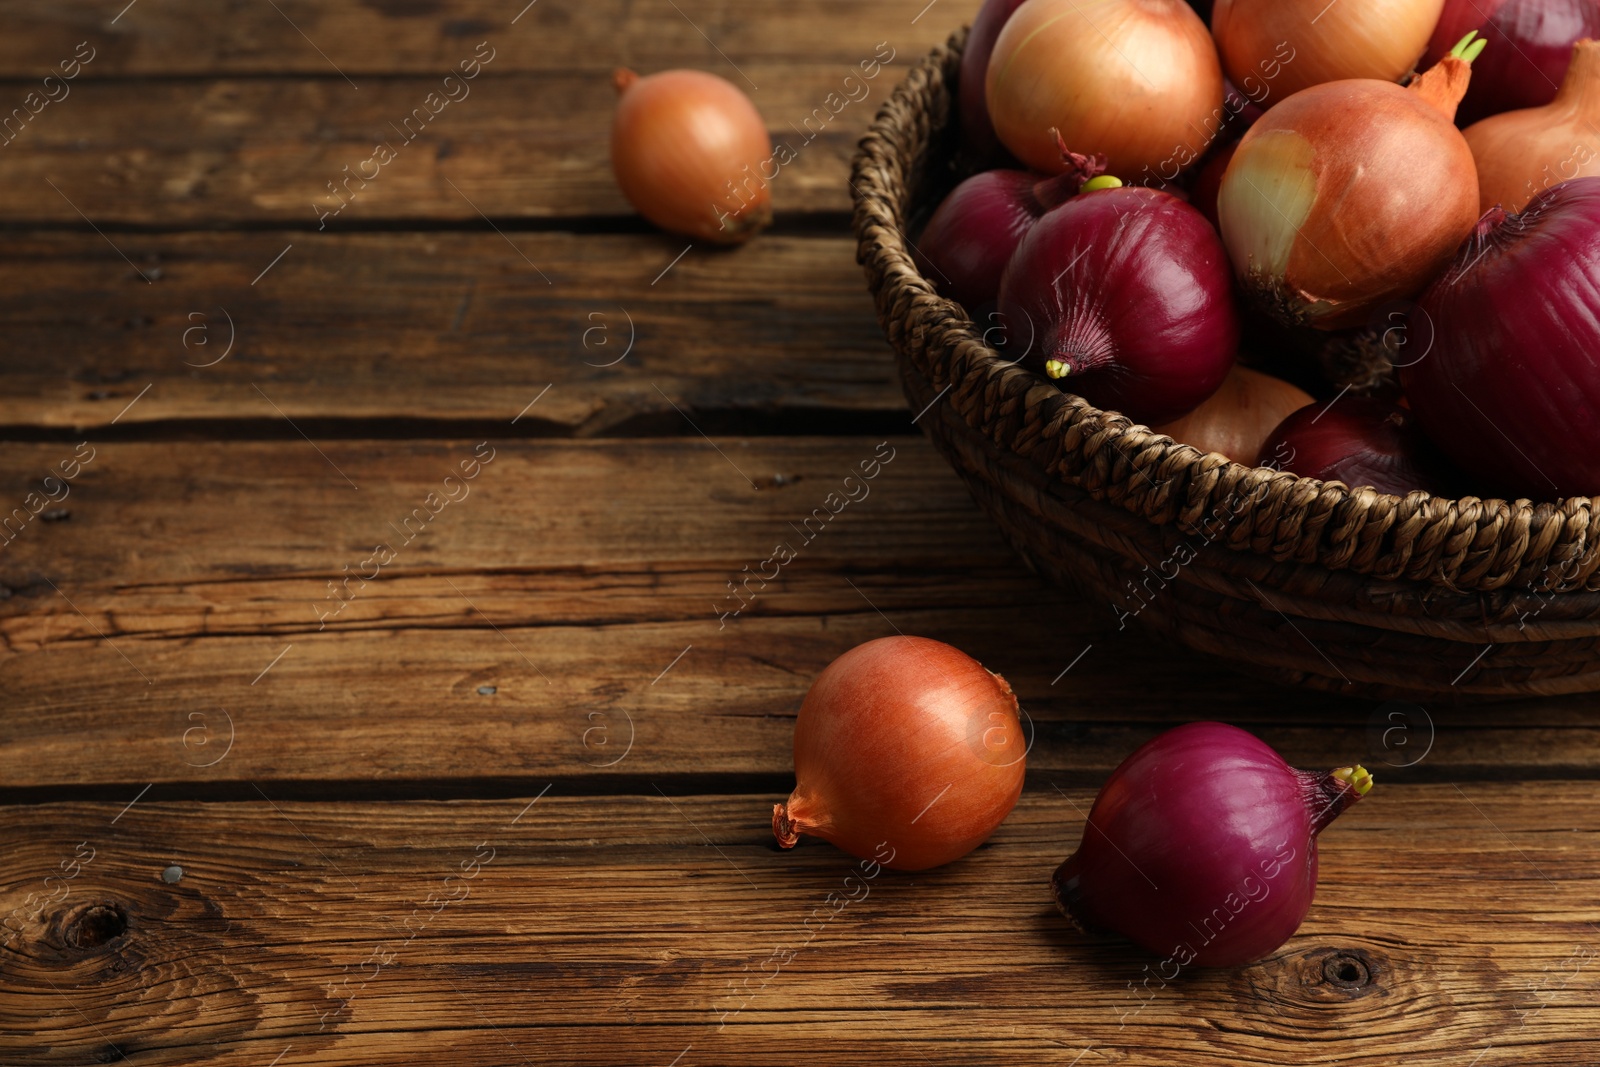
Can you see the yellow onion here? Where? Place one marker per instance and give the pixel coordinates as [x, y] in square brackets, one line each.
[1294, 44]
[1350, 194]
[691, 154]
[1520, 154]
[1239, 417]
[1135, 80]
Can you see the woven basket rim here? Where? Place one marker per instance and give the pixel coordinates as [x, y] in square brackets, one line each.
[1470, 544]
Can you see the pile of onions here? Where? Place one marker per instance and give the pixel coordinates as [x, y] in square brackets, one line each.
[1237, 419]
[1510, 389]
[969, 239]
[977, 132]
[1360, 441]
[907, 742]
[1530, 42]
[1123, 296]
[1522, 153]
[1295, 44]
[1136, 80]
[1350, 194]
[690, 152]
[1202, 847]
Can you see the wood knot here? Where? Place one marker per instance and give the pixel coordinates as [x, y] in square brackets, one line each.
[92, 925]
[1346, 969]
[1341, 972]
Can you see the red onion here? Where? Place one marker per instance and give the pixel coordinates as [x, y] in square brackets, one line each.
[904, 745]
[1530, 44]
[1359, 441]
[977, 132]
[1127, 295]
[1202, 846]
[1510, 388]
[973, 232]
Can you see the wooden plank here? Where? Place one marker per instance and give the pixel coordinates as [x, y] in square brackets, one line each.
[186, 153]
[440, 328]
[388, 37]
[538, 624]
[669, 926]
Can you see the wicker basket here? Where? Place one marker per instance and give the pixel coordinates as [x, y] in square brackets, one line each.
[1308, 582]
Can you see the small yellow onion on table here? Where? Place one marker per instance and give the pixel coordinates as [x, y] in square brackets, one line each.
[906, 752]
[691, 154]
[1351, 194]
[1520, 154]
[1290, 45]
[1136, 80]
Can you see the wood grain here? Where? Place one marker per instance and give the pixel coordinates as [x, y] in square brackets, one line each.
[658, 924]
[439, 330]
[527, 629]
[389, 37]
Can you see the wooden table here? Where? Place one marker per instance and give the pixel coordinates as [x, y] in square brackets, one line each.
[501, 793]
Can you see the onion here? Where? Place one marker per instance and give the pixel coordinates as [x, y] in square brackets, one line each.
[1202, 847]
[1137, 80]
[973, 232]
[1309, 42]
[907, 742]
[1530, 43]
[1237, 418]
[1520, 153]
[1510, 387]
[1125, 299]
[1350, 194]
[977, 132]
[691, 154]
[1208, 182]
[1360, 441]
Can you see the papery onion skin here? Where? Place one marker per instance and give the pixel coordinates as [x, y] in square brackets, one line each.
[1123, 297]
[973, 232]
[1530, 44]
[1201, 847]
[977, 132]
[1510, 388]
[1521, 153]
[908, 741]
[1343, 197]
[1360, 441]
[1325, 42]
[1239, 417]
[691, 154]
[1137, 80]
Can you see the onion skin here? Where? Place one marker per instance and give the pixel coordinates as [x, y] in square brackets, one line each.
[905, 741]
[1530, 44]
[1510, 389]
[688, 150]
[1126, 299]
[1346, 196]
[977, 132]
[1379, 39]
[1202, 847]
[1137, 80]
[1360, 441]
[973, 232]
[1521, 153]
[1237, 419]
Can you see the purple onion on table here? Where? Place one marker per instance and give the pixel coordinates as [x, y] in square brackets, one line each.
[1124, 296]
[1510, 387]
[1202, 846]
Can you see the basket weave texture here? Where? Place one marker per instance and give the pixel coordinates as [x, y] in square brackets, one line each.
[1307, 581]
